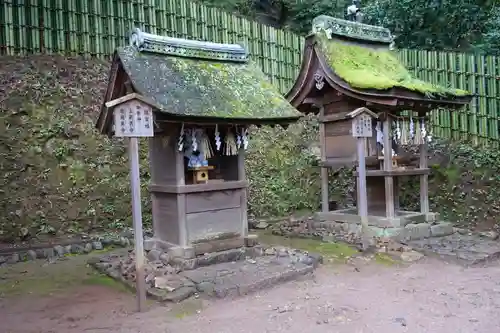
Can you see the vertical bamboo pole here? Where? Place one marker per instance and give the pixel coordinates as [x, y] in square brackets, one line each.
[462, 84]
[482, 101]
[491, 93]
[193, 30]
[473, 113]
[8, 24]
[60, 44]
[72, 26]
[161, 18]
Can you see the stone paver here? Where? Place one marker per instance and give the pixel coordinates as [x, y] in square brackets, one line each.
[463, 249]
[246, 276]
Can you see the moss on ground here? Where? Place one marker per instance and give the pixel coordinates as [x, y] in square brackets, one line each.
[39, 278]
[367, 68]
[332, 252]
[59, 176]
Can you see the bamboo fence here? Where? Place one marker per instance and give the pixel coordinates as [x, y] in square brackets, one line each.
[96, 27]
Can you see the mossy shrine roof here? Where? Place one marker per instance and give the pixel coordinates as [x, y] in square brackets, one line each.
[193, 79]
[357, 59]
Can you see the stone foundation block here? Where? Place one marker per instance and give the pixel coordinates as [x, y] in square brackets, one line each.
[416, 231]
[442, 229]
[251, 240]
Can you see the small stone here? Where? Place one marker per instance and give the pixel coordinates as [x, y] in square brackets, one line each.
[401, 321]
[3, 260]
[49, 253]
[106, 241]
[305, 259]
[97, 245]
[490, 234]
[317, 258]
[149, 244]
[251, 261]
[262, 225]
[179, 294]
[168, 283]
[59, 250]
[150, 279]
[67, 249]
[87, 248]
[14, 258]
[206, 287]
[282, 252]
[251, 240]
[165, 258]
[31, 255]
[411, 256]
[461, 231]
[40, 253]
[154, 255]
[124, 241]
[76, 249]
[270, 252]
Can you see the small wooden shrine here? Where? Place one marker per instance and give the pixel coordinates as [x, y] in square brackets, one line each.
[203, 98]
[348, 65]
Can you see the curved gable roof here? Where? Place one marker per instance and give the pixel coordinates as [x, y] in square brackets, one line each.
[356, 60]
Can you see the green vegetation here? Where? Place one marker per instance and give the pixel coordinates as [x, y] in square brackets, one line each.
[59, 176]
[380, 69]
[332, 252]
[35, 278]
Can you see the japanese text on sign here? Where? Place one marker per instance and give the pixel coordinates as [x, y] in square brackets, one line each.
[362, 126]
[133, 119]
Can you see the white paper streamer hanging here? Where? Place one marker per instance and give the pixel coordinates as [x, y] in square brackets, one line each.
[180, 143]
[380, 135]
[245, 138]
[398, 133]
[217, 138]
[238, 139]
[412, 129]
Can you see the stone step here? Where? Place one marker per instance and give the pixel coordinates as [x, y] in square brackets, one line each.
[223, 279]
[243, 277]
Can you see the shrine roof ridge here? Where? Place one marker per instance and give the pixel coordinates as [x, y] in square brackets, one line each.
[146, 42]
[351, 29]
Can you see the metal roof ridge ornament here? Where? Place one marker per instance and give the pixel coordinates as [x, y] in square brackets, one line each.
[334, 26]
[146, 42]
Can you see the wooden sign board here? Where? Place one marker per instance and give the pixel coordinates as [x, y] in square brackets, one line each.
[362, 126]
[133, 119]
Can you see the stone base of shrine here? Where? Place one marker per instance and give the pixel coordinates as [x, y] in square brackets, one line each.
[224, 273]
[378, 219]
[412, 231]
[193, 250]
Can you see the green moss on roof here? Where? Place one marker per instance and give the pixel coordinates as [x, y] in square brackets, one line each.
[367, 68]
[203, 88]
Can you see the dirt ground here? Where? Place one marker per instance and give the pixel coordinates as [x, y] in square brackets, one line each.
[428, 296]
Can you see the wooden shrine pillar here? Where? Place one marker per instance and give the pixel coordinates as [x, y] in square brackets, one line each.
[324, 170]
[424, 180]
[242, 177]
[388, 180]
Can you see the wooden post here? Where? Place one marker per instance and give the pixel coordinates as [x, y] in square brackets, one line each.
[139, 124]
[389, 184]
[242, 176]
[362, 195]
[181, 197]
[324, 170]
[133, 151]
[424, 180]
